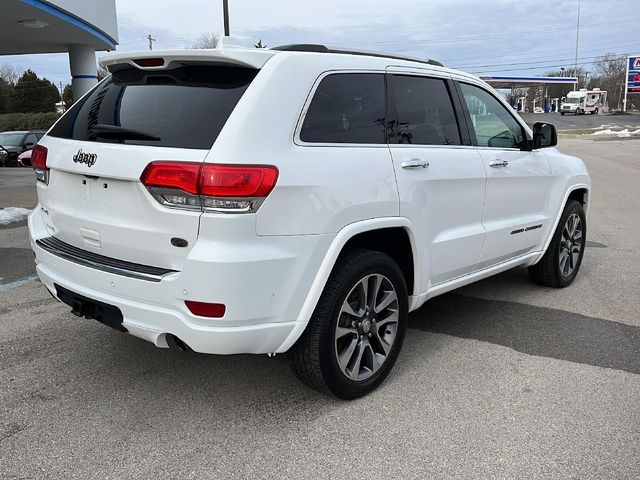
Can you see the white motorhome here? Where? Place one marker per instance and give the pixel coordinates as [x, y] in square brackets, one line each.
[584, 101]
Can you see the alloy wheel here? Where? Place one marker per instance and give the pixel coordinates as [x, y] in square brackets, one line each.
[570, 245]
[366, 328]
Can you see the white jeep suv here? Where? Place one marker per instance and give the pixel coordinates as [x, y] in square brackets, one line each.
[298, 199]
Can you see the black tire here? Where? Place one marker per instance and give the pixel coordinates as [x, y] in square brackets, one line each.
[596, 111]
[562, 113]
[313, 358]
[547, 271]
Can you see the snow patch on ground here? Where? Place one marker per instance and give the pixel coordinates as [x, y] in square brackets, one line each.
[619, 133]
[12, 214]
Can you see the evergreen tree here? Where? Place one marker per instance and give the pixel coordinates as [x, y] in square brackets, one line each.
[67, 96]
[33, 94]
[6, 91]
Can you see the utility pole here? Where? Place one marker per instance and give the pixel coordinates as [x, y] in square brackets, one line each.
[150, 39]
[575, 68]
[62, 97]
[225, 12]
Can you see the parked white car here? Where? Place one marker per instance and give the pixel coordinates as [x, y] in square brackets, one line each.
[296, 200]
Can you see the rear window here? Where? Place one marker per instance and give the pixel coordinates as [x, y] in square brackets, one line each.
[347, 108]
[185, 107]
[425, 114]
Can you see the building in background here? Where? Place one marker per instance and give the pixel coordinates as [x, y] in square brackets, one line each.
[79, 27]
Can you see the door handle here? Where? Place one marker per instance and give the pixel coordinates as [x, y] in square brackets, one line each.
[414, 163]
[498, 163]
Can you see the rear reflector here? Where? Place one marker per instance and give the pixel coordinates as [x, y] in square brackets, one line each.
[224, 188]
[149, 62]
[202, 309]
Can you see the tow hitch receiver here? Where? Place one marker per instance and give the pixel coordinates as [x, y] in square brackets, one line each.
[82, 306]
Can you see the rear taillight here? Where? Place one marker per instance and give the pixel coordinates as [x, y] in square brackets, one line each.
[212, 187]
[39, 163]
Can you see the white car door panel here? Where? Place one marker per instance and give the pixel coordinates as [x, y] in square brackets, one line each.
[441, 183]
[516, 211]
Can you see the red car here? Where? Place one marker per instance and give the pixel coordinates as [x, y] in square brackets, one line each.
[24, 159]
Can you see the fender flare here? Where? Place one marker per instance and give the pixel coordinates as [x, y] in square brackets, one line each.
[330, 258]
[571, 189]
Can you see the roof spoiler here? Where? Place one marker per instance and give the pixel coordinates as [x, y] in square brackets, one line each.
[168, 59]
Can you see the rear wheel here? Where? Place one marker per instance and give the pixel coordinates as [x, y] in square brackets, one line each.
[560, 264]
[562, 113]
[357, 329]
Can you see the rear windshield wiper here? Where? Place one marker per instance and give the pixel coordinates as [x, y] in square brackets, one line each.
[122, 133]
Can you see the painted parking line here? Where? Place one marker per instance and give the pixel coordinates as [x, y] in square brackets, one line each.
[17, 283]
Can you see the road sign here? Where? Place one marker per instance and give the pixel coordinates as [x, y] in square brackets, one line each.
[633, 78]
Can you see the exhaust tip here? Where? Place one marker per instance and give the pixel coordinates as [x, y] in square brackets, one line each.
[175, 343]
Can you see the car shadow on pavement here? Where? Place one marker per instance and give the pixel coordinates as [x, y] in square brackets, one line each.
[533, 330]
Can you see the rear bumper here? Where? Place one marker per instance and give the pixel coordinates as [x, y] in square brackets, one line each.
[264, 290]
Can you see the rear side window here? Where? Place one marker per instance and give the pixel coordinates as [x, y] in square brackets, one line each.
[425, 114]
[347, 108]
[185, 107]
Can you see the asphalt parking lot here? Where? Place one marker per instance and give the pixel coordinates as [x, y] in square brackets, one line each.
[501, 379]
[573, 122]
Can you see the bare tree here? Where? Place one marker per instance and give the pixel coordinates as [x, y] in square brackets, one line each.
[9, 74]
[102, 73]
[611, 70]
[206, 40]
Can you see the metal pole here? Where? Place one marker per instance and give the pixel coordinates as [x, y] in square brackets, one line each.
[575, 67]
[225, 11]
[626, 86]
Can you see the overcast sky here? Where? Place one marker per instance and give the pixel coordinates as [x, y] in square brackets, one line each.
[515, 37]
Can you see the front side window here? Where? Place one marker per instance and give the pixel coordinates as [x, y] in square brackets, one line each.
[425, 114]
[347, 108]
[494, 126]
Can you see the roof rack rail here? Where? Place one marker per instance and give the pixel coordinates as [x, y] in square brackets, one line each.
[318, 48]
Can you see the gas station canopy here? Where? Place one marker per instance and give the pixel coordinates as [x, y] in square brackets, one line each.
[79, 27]
[32, 26]
[524, 82]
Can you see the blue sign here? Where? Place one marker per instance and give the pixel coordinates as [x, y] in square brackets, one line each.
[633, 79]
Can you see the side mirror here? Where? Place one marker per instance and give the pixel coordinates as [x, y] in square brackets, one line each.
[544, 135]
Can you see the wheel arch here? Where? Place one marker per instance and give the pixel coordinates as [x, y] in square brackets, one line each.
[579, 192]
[365, 234]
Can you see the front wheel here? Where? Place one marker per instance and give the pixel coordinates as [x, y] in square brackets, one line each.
[357, 329]
[560, 264]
